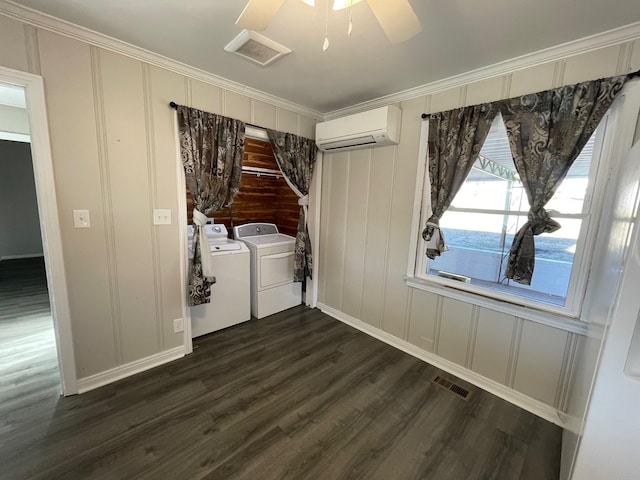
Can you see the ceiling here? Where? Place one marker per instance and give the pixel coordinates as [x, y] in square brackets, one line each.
[457, 36]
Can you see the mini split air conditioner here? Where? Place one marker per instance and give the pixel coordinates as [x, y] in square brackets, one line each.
[374, 128]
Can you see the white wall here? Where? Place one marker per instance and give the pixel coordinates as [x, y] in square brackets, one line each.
[19, 221]
[609, 445]
[114, 153]
[365, 234]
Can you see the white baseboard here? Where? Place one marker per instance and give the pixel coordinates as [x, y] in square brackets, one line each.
[123, 371]
[26, 255]
[525, 402]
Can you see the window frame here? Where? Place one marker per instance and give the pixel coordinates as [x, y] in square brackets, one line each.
[605, 158]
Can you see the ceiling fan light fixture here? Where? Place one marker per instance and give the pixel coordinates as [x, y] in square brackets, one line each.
[337, 4]
[342, 4]
[256, 47]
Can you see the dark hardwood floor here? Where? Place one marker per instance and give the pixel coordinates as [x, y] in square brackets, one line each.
[296, 395]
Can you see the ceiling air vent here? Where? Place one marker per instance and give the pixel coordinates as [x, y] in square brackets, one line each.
[256, 47]
[452, 387]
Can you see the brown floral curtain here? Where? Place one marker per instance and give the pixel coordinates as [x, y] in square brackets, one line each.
[454, 142]
[296, 157]
[547, 132]
[211, 147]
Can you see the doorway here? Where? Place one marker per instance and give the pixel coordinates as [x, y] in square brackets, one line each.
[35, 330]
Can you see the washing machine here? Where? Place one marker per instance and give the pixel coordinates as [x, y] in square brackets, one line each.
[231, 294]
[272, 261]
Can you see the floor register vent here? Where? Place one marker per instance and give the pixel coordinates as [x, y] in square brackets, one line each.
[452, 387]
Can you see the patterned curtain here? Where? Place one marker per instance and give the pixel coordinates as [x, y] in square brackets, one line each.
[454, 142]
[296, 157]
[547, 132]
[211, 147]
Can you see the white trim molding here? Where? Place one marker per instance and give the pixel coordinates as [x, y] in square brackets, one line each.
[62, 27]
[53, 24]
[123, 371]
[49, 226]
[530, 314]
[525, 402]
[609, 38]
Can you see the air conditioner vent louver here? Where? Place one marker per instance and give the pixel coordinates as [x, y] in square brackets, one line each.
[374, 128]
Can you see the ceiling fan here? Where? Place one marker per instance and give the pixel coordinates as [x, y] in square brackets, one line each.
[396, 17]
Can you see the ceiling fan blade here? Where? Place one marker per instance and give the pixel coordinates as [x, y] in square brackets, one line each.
[257, 15]
[397, 19]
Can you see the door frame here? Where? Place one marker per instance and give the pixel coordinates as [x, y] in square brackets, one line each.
[49, 221]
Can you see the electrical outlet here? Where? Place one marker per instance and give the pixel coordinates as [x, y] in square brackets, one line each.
[178, 325]
[161, 216]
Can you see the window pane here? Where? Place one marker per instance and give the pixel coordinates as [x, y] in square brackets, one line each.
[569, 197]
[480, 252]
[495, 205]
[487, 191]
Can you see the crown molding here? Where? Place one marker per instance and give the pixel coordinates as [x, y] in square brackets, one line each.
[594, 42]
[68, 29]
[53, 24]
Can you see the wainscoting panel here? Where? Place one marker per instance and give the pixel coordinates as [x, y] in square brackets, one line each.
[532, 79]
[205, 97]
[326, 228]
[381, 175]
[357, 214]
[634, 62]
[425, 312]
[264, 114]
[445, 100]
[237, 106]
[125, 124]
[589, 66]
[539, 362]
[13, 53]
[67, 66]
[334, 246]
[287, 121]
[484, 91]
[405, 155]
[163, 86]
[493, 345]
[455, 328]
[306, 126]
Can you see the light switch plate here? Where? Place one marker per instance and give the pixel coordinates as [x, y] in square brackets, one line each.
[161, 216]
[81, 219]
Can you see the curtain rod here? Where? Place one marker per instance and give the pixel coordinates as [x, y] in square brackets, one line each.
[174, 105]
[630, 76]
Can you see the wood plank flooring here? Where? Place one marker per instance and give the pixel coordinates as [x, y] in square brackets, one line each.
[28, 364]
[296, 395]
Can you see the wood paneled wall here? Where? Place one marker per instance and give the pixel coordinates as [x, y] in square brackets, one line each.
[367, 204]
[261, 198]
[114, 154]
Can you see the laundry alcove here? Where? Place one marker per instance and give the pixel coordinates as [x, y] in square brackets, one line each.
[262, 197]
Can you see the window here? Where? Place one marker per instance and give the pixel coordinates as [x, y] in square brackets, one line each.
[492, 205]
